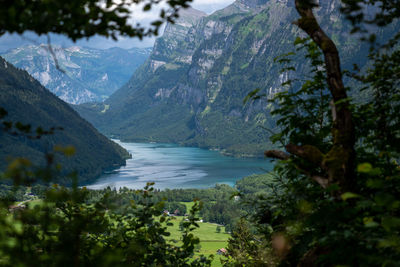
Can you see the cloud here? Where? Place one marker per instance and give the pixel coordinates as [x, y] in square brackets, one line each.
[144, 18]
[210, 6]
[207, 6]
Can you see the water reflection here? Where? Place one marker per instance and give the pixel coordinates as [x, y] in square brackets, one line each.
[173, 166]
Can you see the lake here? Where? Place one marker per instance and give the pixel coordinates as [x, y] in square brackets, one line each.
[174, 166]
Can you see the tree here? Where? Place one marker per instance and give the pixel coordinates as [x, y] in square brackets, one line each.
[83, 18]
[338, 179]
[337, 164]
[246, 249]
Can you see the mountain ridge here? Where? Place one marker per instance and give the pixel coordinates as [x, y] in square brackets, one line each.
[28, 102]
[82, 74]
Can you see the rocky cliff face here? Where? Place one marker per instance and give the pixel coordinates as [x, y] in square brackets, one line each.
[191, 89]
[88, 74]
[173, 46]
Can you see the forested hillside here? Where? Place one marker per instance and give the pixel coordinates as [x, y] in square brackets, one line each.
[192, 87]
[28, 102]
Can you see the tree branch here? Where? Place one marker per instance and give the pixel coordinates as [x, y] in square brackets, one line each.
[277, 154]
[322, 181]
[53, 54]
[307, 152]
[339, 161]
[311, 152]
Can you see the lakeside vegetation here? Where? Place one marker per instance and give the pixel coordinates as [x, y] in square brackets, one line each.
[212, 236]
[222, 204]
[118, 204]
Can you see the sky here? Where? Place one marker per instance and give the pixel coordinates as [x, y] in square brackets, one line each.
[12, 41]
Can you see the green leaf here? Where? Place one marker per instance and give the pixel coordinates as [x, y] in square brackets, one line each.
[157, 23]
[251, 95]
[375, 183]
[298, 41]
[147, 7]
[390, 223]
[369, 222]
[349, 195]
[364, 167]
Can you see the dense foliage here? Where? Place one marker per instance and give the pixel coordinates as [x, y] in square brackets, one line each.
[335, 199]
[246, 248]
[64, 230]
[218, 205]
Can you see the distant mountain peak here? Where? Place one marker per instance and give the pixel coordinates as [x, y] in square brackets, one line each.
[74, 49]
[192, 13]
[188, 17]
[84, 69]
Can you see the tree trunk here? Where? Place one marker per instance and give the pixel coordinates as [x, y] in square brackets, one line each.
[338, 163]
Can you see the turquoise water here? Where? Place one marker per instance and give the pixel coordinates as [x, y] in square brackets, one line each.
[173, 166]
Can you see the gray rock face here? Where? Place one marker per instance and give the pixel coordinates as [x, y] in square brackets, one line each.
[254, 4]
[191, 89]
[87, 74]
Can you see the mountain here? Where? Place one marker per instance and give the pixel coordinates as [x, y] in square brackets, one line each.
[87, 74]
[191, 89]
[28, 102]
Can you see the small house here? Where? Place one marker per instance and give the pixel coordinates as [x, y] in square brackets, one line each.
[221, 251]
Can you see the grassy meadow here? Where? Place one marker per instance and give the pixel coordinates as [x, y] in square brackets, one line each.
[210, 240]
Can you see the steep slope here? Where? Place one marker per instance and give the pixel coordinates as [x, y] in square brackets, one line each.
[192, 87]
[89, 74]
[29, 102]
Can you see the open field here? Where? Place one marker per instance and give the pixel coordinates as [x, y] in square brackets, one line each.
[211, 241]
[188, 205]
